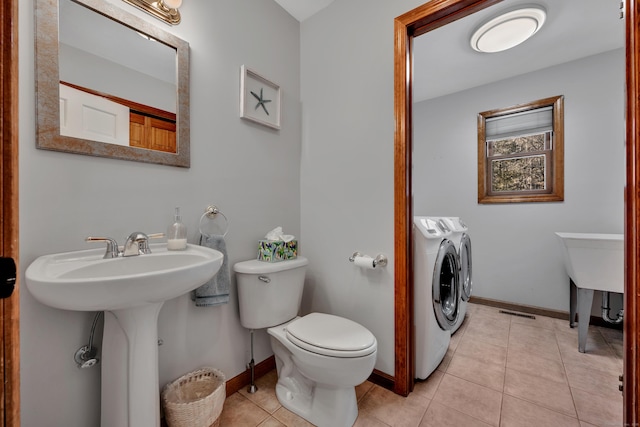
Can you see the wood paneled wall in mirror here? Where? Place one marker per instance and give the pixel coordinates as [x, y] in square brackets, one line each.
[110, 84]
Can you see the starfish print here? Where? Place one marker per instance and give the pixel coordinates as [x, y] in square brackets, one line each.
[261, 101]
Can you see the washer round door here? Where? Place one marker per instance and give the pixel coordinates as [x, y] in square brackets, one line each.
[466, 281]
[446, 282]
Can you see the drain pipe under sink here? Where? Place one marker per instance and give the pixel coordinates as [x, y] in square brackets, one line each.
[85, 356]
[605, 310]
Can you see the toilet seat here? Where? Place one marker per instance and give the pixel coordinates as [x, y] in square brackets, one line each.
[331, 335]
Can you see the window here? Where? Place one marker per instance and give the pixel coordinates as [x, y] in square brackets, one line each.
[521, 153]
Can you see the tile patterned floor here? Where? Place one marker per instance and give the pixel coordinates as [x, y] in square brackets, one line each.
[500, 370]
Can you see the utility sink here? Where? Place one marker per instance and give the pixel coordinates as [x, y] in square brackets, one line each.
[84, 281]
[593, 261]
[131, 292]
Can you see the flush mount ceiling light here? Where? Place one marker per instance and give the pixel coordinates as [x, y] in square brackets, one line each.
[508, 30]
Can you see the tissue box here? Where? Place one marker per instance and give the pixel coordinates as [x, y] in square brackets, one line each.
[277, 250]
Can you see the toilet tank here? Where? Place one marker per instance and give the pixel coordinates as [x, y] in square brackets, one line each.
[269, 294]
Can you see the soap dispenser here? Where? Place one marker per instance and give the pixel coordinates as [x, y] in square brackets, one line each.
[177, 234]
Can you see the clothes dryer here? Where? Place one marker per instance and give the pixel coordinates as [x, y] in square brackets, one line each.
[436, 286]
[462, 241]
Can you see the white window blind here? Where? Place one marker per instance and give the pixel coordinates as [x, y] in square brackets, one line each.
[524, 123]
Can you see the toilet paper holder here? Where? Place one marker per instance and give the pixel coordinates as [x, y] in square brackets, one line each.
[379, 260]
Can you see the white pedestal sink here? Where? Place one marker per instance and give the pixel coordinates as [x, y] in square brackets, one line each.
[131, 291]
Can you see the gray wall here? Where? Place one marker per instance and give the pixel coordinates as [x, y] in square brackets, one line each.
[251, 172]
[347, 161]
[516, 255]
[90, 71]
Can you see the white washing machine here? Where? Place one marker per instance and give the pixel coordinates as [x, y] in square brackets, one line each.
[436, 286]
[462, 241]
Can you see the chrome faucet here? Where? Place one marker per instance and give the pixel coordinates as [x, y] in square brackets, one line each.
[137, 244]
[112, 246]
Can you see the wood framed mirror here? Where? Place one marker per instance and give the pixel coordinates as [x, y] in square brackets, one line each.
[100, 99]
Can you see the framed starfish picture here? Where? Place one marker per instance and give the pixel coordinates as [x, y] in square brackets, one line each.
[259, 99]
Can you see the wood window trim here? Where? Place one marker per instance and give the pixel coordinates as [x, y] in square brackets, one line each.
[556, 171]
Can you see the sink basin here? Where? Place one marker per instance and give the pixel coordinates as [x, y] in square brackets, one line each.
[131, 292]
[594, 262]
[83, 281]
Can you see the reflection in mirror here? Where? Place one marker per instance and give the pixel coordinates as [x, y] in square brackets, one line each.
[110, 84]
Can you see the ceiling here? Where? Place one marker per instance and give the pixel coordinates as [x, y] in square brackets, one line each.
[302, 9]
[574, 29]
[445, 63]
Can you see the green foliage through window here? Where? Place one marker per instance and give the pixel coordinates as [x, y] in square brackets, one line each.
[520, 174]
[521, 144]
[518, 163]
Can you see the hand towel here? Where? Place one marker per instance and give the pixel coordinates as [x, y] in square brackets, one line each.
[215, 291]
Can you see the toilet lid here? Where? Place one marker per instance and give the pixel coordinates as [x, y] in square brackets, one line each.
[331, 335]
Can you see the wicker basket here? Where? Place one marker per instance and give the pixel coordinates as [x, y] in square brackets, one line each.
[195, 399]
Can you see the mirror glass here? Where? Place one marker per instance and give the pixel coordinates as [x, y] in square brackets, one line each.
[110, 84]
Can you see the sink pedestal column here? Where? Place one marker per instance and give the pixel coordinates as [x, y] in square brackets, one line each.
[130, 389]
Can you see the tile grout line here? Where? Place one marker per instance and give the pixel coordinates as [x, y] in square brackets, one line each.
[504, 376]
[564, 368]
[609, 343]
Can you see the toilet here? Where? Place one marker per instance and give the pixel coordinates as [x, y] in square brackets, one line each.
[320, 358]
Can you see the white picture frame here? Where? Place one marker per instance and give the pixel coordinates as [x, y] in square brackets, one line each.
[259, 99]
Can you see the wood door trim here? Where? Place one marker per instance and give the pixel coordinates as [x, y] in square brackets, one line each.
[9, 212]
[403, 318]
[632, 216]
[418, 21]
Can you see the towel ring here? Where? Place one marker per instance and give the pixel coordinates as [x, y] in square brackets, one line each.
[209, 225]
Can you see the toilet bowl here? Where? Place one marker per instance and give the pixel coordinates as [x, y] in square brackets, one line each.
[320, 358]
